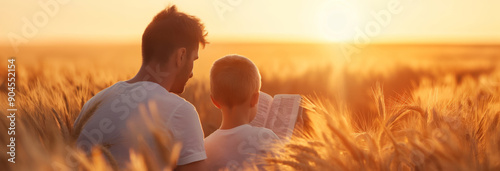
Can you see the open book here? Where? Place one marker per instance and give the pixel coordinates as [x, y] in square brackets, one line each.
[279, 114]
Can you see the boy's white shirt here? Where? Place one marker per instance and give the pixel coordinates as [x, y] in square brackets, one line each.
[119, 106]
[233, 148]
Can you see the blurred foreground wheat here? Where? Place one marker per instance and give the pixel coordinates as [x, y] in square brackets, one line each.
[444, 126]
[418, 119]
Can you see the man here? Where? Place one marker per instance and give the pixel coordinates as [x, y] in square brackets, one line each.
[169, 48]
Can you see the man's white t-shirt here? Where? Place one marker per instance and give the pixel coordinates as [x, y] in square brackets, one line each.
[236, 147]
[117, 122]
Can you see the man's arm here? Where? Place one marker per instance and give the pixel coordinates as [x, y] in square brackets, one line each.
[199, 165]
[186, 127]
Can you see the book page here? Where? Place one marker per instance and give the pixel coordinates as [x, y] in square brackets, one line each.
[263, 106]
[283, 114]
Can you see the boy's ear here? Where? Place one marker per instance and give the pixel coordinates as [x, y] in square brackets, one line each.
[180, 56]
[214, 102]
[254, 99]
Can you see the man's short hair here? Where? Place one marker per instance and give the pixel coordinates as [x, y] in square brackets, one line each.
[170, 30]
[233, 80]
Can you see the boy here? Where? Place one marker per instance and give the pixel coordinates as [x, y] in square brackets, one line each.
[235, 84]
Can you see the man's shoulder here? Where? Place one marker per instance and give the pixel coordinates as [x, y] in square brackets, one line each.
[167, 97]
[153, 91]
[139, 92]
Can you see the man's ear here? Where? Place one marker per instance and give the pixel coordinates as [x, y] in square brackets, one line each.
[214, 102]
[180, 56]
[254, 99]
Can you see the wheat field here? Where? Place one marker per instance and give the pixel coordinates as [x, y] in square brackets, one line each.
[392, 107]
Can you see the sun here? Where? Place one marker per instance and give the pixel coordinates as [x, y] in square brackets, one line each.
[336, 21]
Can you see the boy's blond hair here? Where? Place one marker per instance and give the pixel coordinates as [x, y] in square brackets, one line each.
[233, 80]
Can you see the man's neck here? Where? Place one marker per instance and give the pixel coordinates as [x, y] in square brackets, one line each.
[235, 116]
[151, 74]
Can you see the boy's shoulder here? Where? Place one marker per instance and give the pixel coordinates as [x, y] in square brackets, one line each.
[244, 131]
[264, 132]
[260, 129]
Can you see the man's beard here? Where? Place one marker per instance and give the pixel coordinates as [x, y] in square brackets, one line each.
[179, 85]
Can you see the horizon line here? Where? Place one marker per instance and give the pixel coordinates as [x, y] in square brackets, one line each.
[111, 43]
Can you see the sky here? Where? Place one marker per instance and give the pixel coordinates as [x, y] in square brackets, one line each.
[358, 21]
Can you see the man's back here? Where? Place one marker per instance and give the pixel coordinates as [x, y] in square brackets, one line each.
[232, 148]
[118, 123]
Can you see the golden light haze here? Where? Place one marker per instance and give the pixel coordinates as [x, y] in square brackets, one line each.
[395, 105]
[82, 21]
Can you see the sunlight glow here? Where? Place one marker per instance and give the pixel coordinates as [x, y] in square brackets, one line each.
[254, 21]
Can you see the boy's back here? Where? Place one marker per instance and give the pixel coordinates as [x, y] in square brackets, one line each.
[231, 148]
[235, 84]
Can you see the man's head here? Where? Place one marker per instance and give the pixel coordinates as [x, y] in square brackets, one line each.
[234, 80]
[172, 39]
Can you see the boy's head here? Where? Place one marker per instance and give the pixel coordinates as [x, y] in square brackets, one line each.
[234, 80]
